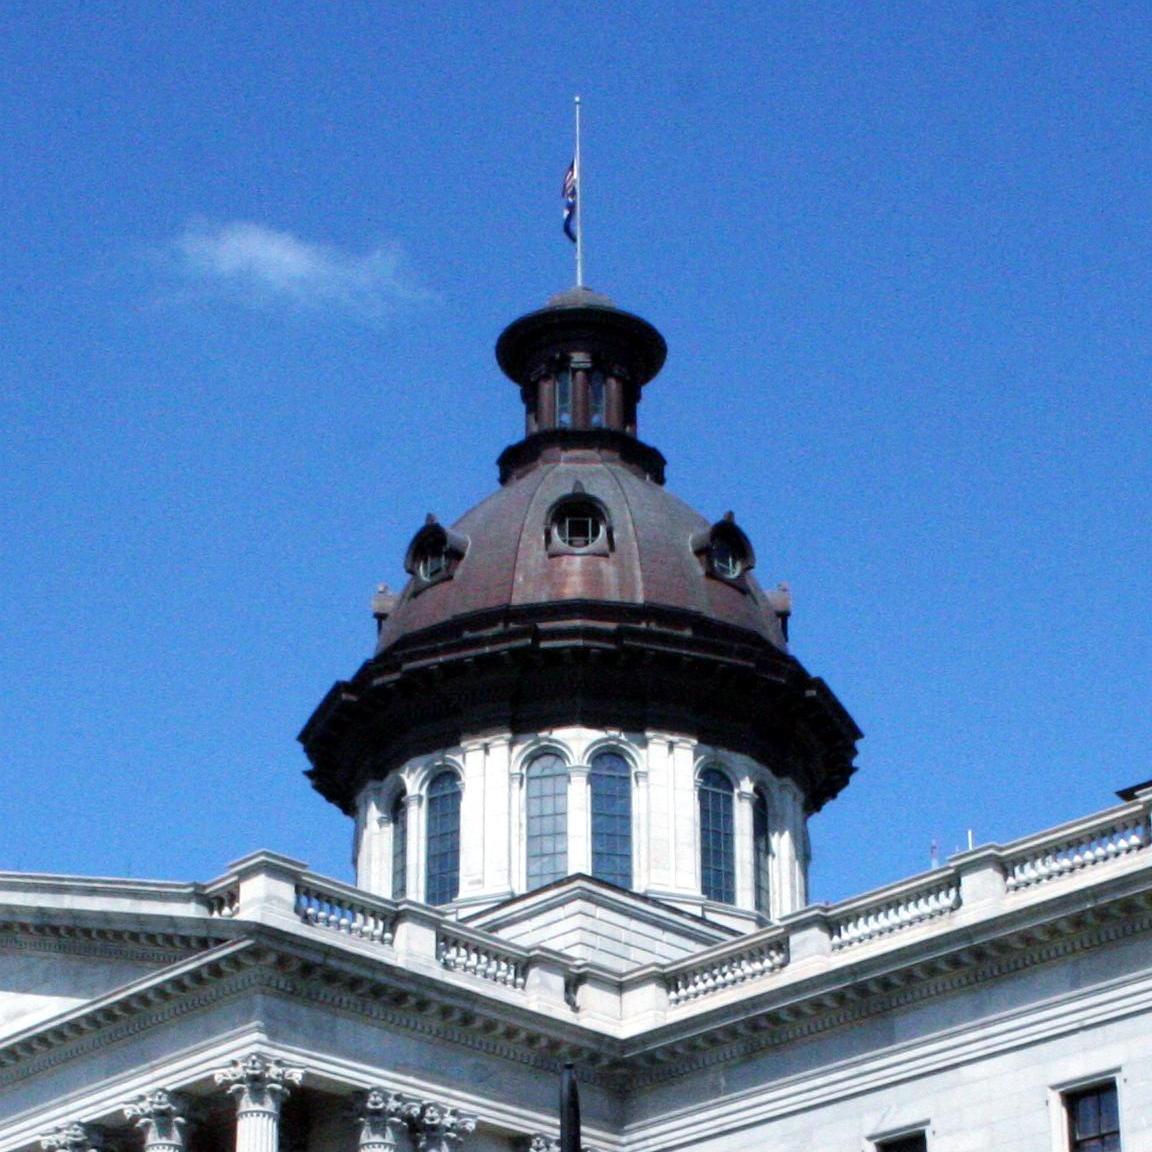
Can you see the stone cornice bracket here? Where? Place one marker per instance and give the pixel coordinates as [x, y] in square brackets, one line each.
[382, 1117]
[73, 1137]
[258, 1082]
[162, 1116]
[437, 1128]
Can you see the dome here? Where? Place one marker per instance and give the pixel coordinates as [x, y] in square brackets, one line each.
[581, 592]
[649, 552]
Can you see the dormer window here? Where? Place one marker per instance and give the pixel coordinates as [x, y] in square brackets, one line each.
[432, 565]
[578, 525]
[727, 561]
[433, 555]
[725, 552]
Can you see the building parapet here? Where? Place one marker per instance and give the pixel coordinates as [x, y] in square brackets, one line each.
[972, 888]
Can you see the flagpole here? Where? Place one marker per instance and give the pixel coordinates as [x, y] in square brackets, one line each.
[579, 206]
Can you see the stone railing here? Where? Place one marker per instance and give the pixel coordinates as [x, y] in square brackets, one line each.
[1075, 847]
[461, 953]
[736, 965]
[223, 900]
[936, 897]
[354, 914]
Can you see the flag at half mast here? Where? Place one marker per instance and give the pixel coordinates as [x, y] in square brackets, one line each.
[571, 192]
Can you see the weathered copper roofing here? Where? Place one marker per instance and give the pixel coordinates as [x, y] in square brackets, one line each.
[651, 560]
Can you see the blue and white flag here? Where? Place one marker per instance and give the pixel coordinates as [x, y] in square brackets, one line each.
[570, 194]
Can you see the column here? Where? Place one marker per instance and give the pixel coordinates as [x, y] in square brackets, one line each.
[259, 1084]
[161, 1116]
[381, 1118]
[73, 1137]
[436, 1128]
[581, 364]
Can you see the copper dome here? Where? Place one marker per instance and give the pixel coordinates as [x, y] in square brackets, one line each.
[581, 592]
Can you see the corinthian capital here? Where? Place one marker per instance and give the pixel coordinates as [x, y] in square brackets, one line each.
[259, 1081]
[72, 1138]
[161, 1115]
[436, 1127]
[382, 1118]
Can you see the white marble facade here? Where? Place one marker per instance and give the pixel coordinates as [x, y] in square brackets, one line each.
[966, 1008]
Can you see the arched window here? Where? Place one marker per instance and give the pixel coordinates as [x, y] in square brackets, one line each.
[443, 879]
[717, 855]
[546, 810]
[611, 783]
[760, 852]
[564, 398]
[399, 847]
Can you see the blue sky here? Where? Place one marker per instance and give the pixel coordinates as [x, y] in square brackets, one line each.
[255, 258]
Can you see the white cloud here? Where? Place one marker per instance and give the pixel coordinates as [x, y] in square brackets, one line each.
[267, 268]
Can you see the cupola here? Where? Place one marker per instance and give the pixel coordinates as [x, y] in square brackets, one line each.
[583, 675]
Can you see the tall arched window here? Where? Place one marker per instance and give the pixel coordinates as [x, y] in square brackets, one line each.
[611, 782]
[760, 852]
[546, 811]
[717, 854]
[399, 816]
[443, 879]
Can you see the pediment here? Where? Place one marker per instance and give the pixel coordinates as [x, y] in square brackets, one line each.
[53, 965]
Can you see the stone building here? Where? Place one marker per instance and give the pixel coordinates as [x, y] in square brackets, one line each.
[580, 764]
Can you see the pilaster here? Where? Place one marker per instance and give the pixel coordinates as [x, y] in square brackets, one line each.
[579, 820]
[473, 847]
[745, 860]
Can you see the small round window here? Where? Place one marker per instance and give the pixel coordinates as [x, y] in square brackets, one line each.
[578, 524]
[727, 559]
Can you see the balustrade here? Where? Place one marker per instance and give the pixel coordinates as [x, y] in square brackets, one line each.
[358, 918]
[460, 954]
[726, 971]
[1087, 846]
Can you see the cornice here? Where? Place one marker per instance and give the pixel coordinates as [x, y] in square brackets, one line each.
[816, 1008]
[107, 942]
[379, 989]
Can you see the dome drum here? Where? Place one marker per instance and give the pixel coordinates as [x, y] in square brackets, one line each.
[531, 669]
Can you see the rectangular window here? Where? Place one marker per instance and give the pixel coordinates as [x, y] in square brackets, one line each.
[912, 1142]
[1093, 1118]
